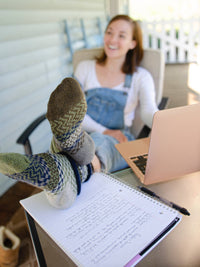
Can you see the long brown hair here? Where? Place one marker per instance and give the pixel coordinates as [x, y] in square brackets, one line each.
[133, 56]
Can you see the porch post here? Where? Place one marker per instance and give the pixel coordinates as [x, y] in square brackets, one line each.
[115, 7]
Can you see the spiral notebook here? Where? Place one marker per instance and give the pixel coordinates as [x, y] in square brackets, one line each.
[109, 224]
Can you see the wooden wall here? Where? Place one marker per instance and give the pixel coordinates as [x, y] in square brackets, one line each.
[37, 40]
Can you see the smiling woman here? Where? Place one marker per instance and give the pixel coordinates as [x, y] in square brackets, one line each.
[114, 84]
[118, 38]
[117, 42]
[122, 34]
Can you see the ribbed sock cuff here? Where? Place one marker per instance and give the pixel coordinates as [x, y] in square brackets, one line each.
[76, 172]
[90, 171]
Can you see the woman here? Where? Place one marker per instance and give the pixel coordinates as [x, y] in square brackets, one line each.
[114, 84]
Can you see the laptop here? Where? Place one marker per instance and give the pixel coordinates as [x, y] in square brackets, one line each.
[172, 149]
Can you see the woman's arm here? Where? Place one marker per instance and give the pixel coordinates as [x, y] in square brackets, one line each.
[90, 125]
[147, 98]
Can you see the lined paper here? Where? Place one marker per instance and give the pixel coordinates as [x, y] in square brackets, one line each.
[108, 225]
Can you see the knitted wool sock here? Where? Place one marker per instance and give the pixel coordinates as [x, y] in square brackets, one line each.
[58, 175]
[66, 110]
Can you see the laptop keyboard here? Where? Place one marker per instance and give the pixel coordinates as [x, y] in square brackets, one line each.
[140, 162]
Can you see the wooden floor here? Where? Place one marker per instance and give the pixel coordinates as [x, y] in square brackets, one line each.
[9, 202]
[13, 217]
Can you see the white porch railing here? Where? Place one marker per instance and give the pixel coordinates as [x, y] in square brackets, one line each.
[178, 39]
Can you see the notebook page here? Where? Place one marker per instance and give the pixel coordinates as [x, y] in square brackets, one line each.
[108, 225]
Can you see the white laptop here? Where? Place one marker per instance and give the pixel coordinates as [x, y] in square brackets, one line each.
[171, 151]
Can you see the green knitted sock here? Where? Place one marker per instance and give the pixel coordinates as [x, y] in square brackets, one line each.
[66, 110]
[57, 174]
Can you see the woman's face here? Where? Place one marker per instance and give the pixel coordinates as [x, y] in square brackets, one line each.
[118, 39]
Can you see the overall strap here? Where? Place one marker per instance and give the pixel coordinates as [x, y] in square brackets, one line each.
[128, 80]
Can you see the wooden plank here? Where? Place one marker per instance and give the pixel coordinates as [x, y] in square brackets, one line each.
[18, 91]
[29, 30]
[21, 46]
[75, 5]
[18, 77]
[30, 73]
[46, 55]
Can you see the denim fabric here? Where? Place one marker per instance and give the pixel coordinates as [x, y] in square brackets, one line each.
[106, 107]
[110, 158]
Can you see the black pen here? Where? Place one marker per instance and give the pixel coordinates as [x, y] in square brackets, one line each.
[169, 203]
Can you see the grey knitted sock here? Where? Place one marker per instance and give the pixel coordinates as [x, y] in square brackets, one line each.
[58, 175]
[66, 110]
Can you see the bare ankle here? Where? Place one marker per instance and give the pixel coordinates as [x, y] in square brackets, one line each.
[96, 164]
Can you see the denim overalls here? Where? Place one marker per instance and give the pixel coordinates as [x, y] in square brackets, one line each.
[106, 107]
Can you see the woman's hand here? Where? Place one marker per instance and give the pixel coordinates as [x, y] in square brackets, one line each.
[117, 134]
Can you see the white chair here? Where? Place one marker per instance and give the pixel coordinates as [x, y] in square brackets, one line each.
[154, 62]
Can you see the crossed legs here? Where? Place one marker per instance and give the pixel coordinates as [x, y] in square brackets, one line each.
[72, 158]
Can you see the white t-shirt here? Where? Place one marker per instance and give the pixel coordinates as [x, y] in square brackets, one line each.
[141, 91]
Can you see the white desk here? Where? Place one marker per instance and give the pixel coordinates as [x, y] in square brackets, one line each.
[181, 248]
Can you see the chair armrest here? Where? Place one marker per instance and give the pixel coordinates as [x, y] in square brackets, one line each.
[24, 137]
[163, 103]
